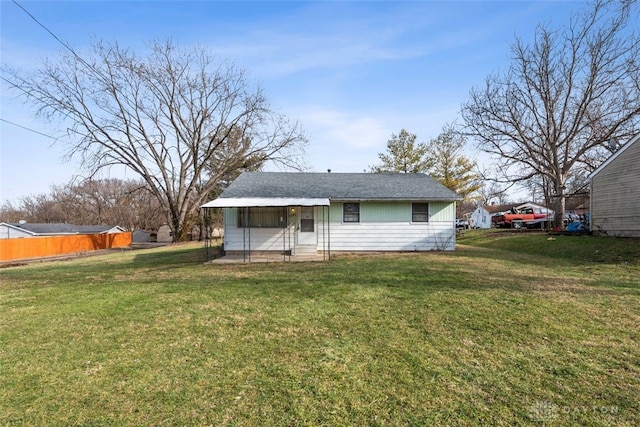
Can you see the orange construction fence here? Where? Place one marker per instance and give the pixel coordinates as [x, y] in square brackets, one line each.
[39, 247]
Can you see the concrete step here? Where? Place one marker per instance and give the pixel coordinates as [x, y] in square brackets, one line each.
[305, 250]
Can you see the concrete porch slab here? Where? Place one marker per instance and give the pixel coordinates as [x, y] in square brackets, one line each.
[263, 258]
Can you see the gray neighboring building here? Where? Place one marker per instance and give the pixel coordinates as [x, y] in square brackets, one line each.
[302, 213]
[615, 193]
[141, 236]
[27, 229]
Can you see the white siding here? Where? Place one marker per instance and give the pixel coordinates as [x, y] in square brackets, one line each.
[396, 236]
[387, 233]
[480, 218]
[258, 239]
[7, 232]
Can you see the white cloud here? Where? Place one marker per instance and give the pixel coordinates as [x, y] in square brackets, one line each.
[346, 129]
[333, 65]
[335, 36]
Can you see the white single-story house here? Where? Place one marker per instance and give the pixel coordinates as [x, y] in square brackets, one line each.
[481, 216]
[615, 193]
[28, 229]
[320, 213]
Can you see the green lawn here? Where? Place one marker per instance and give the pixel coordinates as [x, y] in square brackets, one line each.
[511, 329]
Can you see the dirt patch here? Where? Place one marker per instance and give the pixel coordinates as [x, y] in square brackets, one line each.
[12, 264]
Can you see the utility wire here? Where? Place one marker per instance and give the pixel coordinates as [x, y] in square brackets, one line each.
[14, 85]
[66, 46]
[26, 128]
[78, 57]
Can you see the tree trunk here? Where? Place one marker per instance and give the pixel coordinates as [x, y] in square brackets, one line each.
[178, 119]
[559, 205]
[178, 229]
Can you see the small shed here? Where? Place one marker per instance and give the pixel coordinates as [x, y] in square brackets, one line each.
[615, 193]
[141, 236]
[164, 234]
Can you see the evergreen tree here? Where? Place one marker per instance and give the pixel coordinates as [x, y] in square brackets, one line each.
[450, 167]
[403, 155]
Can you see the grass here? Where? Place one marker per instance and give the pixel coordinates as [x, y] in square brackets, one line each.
[511, 329]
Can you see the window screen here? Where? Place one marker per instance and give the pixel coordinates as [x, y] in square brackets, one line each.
[351, 212]
[420, 212]
[262, 217]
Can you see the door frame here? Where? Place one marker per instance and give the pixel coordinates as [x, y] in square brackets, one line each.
[307, 238]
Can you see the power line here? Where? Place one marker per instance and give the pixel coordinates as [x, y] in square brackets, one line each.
[66, 46]
[78, 57]
[14, 85]
[95, 70]
[26, 128]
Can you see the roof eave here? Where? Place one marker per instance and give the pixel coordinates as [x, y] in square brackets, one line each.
[395, 199]
[613, 156]
[246, 202]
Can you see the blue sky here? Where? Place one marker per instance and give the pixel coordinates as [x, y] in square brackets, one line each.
[352, 72]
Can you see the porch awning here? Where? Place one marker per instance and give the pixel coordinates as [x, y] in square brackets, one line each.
[250, 202]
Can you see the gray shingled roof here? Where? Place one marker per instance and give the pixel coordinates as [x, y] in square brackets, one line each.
[339, 186]
[62, 228]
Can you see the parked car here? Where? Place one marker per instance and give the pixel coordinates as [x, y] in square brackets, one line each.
[462, 223]
[517, 218]
[570, 217]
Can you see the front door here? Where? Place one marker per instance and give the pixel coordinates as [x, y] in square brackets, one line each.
[307, 226]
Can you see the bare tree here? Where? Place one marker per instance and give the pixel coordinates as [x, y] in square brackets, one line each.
[9, 212]
[564, 97]
[127, 203]
[492, 192]
[43, 208]
[168, 117]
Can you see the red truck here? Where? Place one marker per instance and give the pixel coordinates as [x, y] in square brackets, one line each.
[517, 218]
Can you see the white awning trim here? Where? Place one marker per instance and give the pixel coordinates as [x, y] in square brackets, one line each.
[251, 202]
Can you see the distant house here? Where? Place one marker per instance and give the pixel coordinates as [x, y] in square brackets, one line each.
[615, 193]
[27, 229]
[303, 213]
[481, 216]
[40, 240]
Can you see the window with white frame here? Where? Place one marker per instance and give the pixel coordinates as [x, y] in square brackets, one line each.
[420, 212]
[351, 212]
[262, 217]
